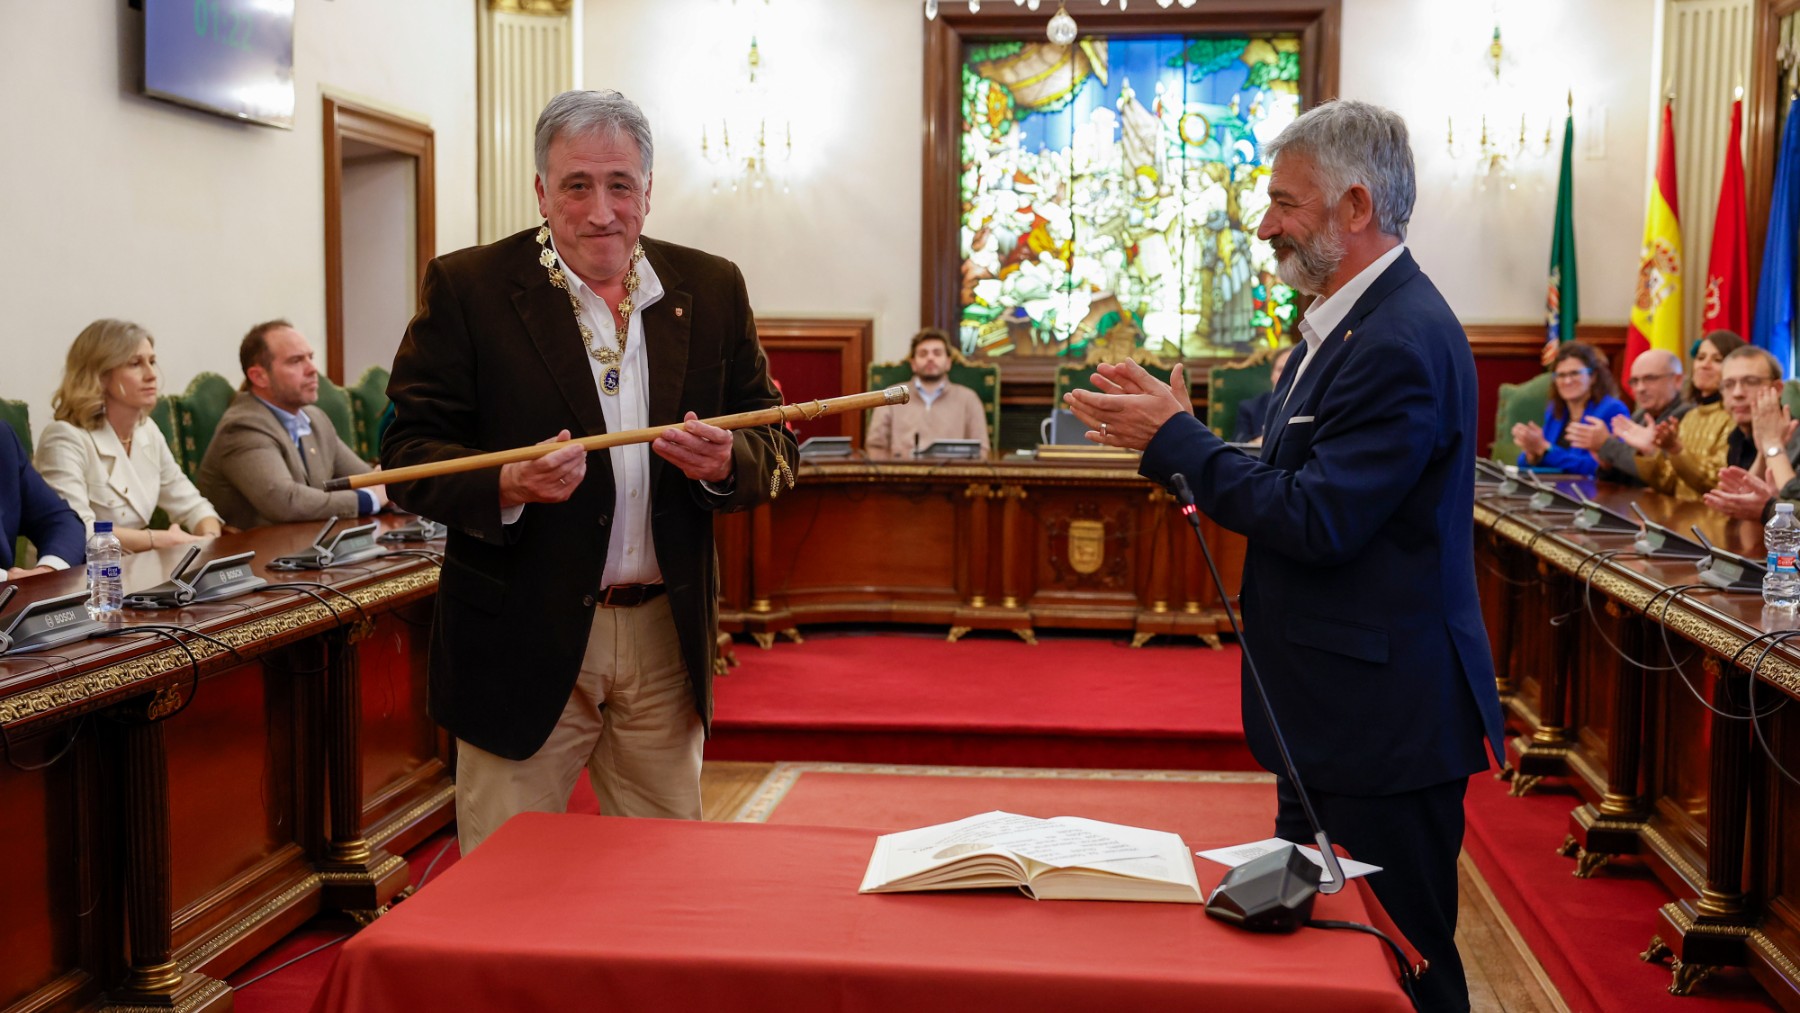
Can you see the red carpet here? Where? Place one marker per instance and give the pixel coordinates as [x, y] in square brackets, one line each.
[985, 701]
[1586, 933]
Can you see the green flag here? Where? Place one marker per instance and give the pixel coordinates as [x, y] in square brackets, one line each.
[1562, 303]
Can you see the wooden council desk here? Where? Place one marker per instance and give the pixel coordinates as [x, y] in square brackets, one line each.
[164, 820]
[1624, 678]
[1010, 544]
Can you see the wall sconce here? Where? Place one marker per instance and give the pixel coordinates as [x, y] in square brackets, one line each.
[749, 147]
[1497, 153]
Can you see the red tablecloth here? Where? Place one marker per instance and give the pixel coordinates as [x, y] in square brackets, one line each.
[587, 912]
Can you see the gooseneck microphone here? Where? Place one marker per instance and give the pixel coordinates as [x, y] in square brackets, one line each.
[1268, 897]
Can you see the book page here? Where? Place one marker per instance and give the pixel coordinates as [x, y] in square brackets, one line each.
[1235, 856]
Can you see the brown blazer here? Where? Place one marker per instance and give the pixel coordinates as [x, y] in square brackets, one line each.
[254, 475]
[494, 360]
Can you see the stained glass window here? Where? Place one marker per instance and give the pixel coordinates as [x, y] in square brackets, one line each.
[1111, 189]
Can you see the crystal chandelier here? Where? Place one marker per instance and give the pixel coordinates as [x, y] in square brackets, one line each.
[748, 145]
[1497, 153]
[1061, 28]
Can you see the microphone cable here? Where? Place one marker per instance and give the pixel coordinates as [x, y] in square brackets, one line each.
[1408, 974]
[1190, 510]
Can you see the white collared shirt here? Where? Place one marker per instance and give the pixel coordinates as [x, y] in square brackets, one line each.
[1323, 316]
[630, 552]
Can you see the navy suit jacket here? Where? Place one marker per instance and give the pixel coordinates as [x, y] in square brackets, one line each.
[1250, 415]
[1359, 600]
[29, 507]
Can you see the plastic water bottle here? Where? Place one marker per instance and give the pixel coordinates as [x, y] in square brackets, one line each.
[1781, 537]
[106, 586]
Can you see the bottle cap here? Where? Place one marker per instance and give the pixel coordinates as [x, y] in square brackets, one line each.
[105, 527]
[1784, 508]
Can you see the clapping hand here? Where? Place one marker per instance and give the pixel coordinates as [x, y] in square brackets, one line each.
[1634, 434]
[1589, 434]
[1770, 425]
[1740, 494]
[1530, 438]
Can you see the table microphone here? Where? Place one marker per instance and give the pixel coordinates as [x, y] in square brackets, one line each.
[1273, 893]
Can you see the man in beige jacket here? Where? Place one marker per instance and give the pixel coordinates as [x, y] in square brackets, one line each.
[274, 450]
[939, 409]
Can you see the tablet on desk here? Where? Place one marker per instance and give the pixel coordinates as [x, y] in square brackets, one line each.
[952, 450]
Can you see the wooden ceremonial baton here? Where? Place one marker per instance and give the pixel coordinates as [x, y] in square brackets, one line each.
[780, 414]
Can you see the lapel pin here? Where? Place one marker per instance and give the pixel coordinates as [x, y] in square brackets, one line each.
[1347, 335]
[677, 311]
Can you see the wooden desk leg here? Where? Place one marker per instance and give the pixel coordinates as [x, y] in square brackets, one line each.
[1546, 754]
[1010, 563]
[153, 980]
[978, 495]
[357, 879]
[1712, 930]
[1505, 563]
[1612, 827]
[763, 618]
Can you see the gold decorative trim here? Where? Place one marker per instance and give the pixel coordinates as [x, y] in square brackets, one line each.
[1666, 849]
[783, 776]
[258, 915]
[444, 796]
[552, 8]
[1693, 621]
[1764, 947]
[1685, 923]
[88, 685]
[210, 992]
[361, 877]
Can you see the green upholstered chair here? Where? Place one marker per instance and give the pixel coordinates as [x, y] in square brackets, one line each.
[983, 378]
[166, 414]
[368, 404]
[197, 413]
[334, 401]
[1232, 383]
[17, 414]
[1519, 402]
[1790, 396]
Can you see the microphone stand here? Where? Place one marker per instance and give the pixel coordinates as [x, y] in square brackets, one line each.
[1334, 873]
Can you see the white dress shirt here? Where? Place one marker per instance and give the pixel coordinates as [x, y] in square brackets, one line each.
[630, 550]
[1324, 315]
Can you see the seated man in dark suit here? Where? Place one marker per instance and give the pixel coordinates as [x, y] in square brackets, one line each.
[1252, 411]
[30, 508]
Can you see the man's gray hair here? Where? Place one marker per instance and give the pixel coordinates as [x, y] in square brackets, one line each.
[1352, 142]
[586, 112]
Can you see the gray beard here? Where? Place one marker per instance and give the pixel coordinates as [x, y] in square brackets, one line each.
[1309, 265]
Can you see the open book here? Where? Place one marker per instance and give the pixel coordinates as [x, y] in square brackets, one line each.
[1065, 858]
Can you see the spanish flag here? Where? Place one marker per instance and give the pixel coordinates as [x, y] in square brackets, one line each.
[1656, 313]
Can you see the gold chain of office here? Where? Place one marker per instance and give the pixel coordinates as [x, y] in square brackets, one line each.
[606, 355]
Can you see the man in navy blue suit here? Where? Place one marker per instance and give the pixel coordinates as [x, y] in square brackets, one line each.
[29, 507]
[1359, 598]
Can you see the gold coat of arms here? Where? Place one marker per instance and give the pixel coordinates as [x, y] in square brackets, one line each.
[1087, 545]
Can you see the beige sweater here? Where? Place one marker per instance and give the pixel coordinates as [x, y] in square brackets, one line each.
[896, 431]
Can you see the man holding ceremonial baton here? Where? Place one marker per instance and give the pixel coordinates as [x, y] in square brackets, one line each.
[577, 608]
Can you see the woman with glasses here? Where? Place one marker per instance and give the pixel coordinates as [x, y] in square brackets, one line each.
[1683, 459]
[1584, 392]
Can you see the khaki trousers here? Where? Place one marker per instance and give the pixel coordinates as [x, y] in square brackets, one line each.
[630, 720]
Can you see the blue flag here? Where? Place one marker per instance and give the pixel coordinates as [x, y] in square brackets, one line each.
[1774, 317]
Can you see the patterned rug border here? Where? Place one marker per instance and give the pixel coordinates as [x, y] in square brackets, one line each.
[781, 779]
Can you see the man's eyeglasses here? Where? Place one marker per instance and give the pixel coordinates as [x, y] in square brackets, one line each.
[1644, 381]
[1572, 374]
[1745, 383]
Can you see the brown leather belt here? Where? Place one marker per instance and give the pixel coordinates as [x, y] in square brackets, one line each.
[626, 596]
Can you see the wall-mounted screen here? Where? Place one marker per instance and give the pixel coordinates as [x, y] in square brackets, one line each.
[231, 57]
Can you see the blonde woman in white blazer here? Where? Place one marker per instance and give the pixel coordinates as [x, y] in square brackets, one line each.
[105, 456]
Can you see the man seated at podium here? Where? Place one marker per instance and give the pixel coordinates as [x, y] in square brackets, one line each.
[274, 450]
[1251, 411]
[939, 409]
